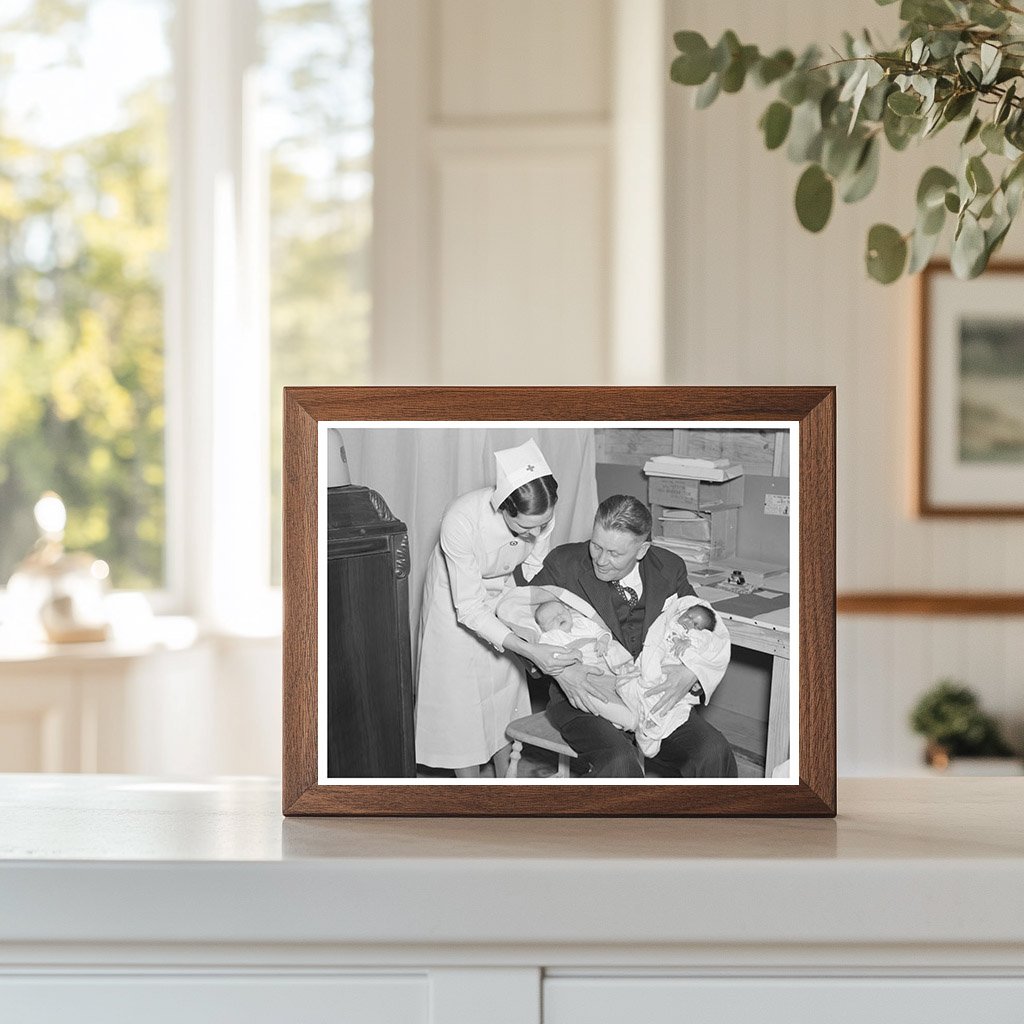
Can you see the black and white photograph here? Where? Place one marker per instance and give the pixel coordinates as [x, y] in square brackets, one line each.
[587, 603]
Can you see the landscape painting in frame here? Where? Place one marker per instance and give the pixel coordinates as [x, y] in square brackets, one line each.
[535, 603]
[971, 416]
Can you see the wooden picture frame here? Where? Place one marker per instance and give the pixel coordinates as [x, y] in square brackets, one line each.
[808, 412]
[969, 448]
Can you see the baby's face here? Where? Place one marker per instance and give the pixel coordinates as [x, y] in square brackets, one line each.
[693, 618]
[554, 615]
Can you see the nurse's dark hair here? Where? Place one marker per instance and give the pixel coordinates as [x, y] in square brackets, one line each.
[534, 498]
[626, 513]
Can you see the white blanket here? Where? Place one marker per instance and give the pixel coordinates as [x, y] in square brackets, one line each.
[659, 663]
[517, 610]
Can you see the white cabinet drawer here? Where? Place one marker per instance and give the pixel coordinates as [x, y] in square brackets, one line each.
[589, 1000]
[205, 999]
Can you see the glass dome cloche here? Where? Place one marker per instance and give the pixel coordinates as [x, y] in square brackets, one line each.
[57, 595]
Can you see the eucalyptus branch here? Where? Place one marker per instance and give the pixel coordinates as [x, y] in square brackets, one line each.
[833, 117]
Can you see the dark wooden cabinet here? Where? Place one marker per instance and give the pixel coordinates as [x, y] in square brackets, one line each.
[369, 660]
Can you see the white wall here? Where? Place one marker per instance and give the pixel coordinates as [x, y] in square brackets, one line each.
[755, 299]
[494, 192]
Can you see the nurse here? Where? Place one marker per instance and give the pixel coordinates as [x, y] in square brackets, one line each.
[470, 687]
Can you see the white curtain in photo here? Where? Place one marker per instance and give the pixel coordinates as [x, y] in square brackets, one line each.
[420, 471]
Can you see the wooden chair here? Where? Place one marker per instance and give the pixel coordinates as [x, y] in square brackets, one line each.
[538, 732]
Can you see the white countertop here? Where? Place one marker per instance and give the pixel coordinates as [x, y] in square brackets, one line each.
[122, 859]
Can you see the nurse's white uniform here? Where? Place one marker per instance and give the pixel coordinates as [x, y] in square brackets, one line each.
[469, 690]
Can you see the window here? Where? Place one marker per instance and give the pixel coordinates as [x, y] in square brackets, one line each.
[83, 236]
[185, 221]
[317, 117]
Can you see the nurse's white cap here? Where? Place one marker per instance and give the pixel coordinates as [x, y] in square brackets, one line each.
[515, 467]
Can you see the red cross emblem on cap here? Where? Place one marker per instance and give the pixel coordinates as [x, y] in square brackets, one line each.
[529, 469]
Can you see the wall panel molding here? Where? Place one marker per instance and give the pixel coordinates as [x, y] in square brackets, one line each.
[928, 603]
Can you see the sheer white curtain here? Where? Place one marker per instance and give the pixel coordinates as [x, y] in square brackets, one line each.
[419, 471]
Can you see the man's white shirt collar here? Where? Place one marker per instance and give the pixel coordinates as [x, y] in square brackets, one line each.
[634, 580]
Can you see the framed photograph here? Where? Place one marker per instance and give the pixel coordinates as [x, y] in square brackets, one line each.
[559, 601]
[970, 445]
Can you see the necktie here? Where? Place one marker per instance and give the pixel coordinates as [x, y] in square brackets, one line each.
[628, 594]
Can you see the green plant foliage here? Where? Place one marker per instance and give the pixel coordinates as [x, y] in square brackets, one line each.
[814, 198]
[949, 715]
[775, 124]
[955, 60]
[887, 253]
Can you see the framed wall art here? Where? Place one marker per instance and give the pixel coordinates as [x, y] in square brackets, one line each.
[559, 601]
[970, 422]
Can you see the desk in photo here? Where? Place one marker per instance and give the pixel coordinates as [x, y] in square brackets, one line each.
[768, 633]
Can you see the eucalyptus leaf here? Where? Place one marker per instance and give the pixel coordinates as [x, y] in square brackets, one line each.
[687, 71]
[978, 176]
[724, 51]
[707, 93]
[814, 194]
[775, 124]
[952, 202]
[794, 88]
[922, 248]
[933, 122]
[930, 12]
[828, 104]
[925, 88]
[987, 15]
[1013, 187]
[688, 41]
[993, 138]
[972, 132]
[944, 44]
[904, 103]
[886, 253]
[865, 173]
[1005, 104]
[873, 106]
[931, 190]
[958, 105]
[771, 69]
[735, 74]
[932, 221]
[991, 60]
[900, 130]
[840, 152]
[968, 247]
[1013, 191]
[805, 133]
[995, 233]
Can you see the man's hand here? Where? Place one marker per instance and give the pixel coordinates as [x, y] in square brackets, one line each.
[584, 686]
[678, 680]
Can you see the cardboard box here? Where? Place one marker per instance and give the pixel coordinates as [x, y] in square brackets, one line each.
[698, 495]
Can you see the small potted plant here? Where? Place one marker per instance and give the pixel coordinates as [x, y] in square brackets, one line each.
[951, 719]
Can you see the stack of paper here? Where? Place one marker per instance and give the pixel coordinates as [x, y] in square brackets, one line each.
[692, 469]
[689, 551]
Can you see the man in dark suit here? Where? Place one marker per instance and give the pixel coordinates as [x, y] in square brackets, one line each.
[627, 582]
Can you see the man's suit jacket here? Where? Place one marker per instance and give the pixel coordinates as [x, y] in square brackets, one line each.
[569, 566]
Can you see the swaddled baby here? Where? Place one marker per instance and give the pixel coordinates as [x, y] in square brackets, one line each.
[690, 641]
[694, 629]
[562, 626]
